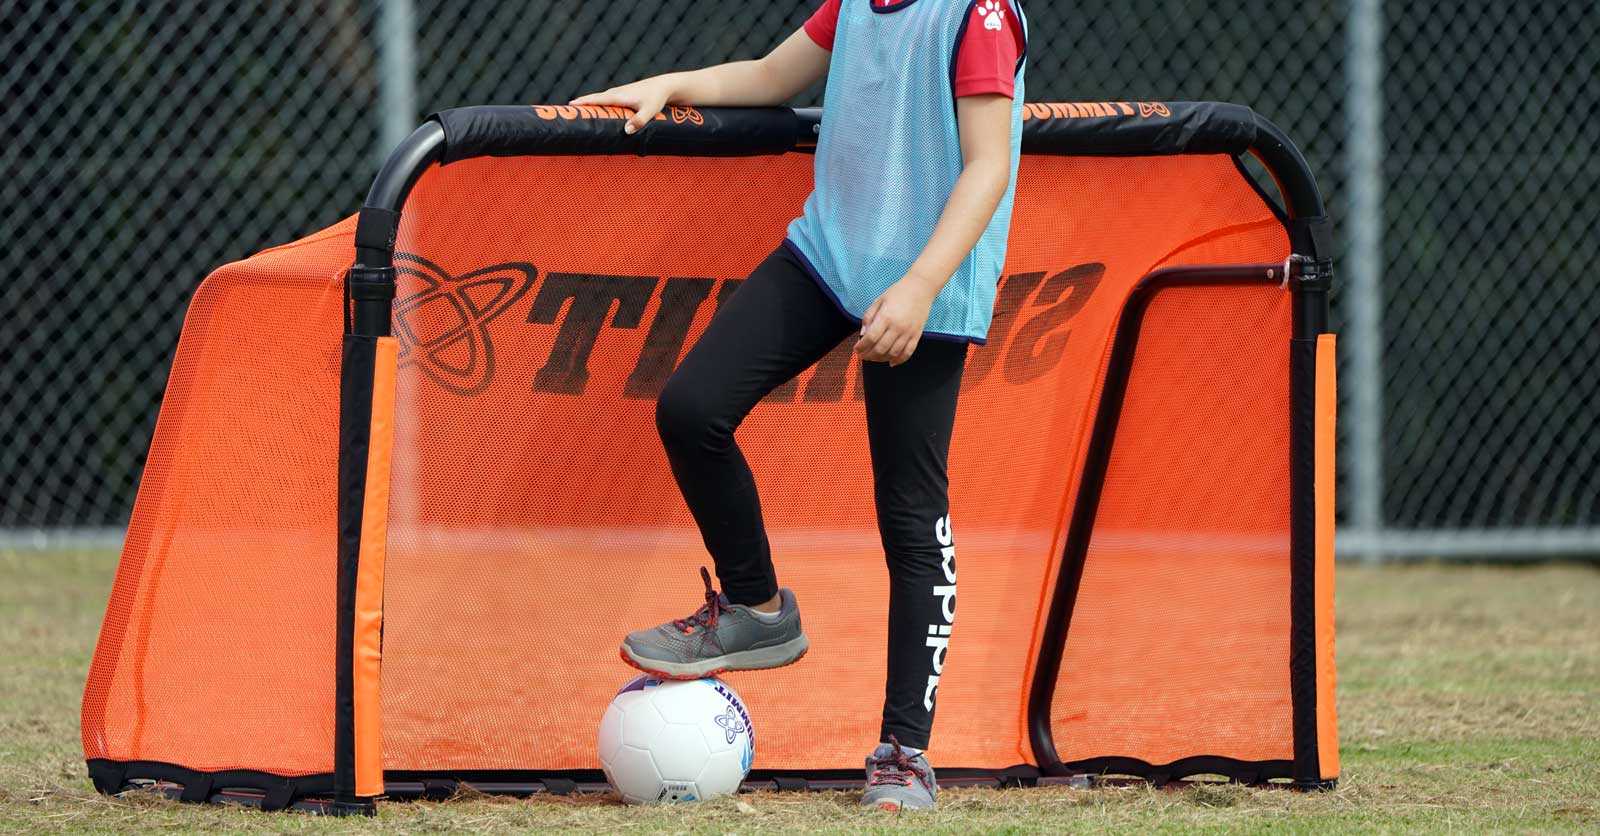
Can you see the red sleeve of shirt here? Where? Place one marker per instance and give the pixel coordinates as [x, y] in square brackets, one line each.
[987, 58]
[823, 23]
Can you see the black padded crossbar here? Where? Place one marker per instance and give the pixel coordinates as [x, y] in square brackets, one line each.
[1143, 129]
[1079, 129]
[554, 130]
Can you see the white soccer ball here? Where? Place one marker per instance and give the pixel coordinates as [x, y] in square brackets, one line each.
[665, 741]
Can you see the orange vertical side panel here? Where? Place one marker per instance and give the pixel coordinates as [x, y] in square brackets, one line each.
[369, 579]
[1326, 410]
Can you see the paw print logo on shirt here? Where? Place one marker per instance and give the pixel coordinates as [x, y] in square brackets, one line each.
[994, 13]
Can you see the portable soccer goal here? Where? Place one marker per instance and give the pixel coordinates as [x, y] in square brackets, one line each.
[397, 516]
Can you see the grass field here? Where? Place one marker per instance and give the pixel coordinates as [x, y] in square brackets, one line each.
[1469, 699]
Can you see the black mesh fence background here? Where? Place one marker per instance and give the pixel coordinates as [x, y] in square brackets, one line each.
[150, 142]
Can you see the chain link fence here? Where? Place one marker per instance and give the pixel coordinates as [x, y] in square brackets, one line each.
[149, 142]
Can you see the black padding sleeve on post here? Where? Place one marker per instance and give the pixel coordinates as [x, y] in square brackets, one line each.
[557, 130]
[1311, 237]
[1137, 129]
[376, 228]
[355, 429]
[1303, 557]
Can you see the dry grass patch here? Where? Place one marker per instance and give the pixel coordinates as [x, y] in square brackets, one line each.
[1469, 702]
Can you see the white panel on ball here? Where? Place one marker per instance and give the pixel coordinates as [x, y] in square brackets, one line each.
[665, 741]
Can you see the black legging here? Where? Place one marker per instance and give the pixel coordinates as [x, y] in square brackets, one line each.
[772, 328]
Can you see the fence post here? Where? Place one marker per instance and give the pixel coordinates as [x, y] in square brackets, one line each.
[1364, 153]
[397, 74]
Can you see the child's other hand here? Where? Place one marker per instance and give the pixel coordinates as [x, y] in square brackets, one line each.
[893, 325]
[646, 98]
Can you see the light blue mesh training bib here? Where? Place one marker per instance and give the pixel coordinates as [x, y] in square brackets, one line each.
[889, 155]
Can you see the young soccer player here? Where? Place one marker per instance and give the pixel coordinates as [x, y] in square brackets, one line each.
[900, 246]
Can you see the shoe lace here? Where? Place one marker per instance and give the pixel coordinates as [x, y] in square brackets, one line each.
[896, 767]
[708, 613]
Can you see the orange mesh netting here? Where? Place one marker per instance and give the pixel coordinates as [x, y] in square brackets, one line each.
[533, 520]
[1181, 619]
[217, 648]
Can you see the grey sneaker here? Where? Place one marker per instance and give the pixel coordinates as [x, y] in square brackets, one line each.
[720, 636]
[897, 780]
